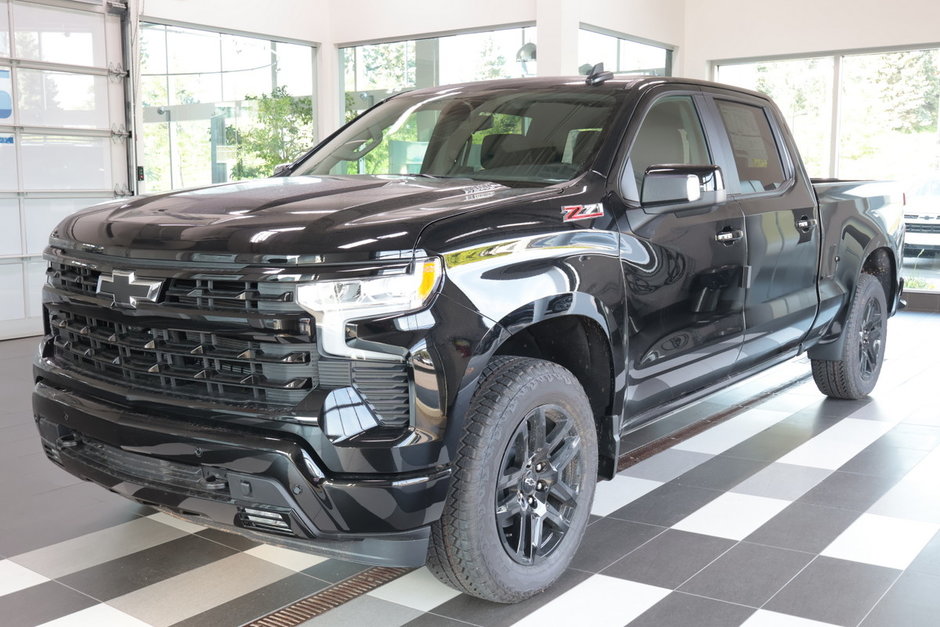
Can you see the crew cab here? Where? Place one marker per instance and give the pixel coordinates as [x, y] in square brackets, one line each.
[424, 339]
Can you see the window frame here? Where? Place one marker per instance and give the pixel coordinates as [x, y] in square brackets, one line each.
[623, 165]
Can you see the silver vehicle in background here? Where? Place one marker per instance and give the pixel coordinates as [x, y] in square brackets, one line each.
[922, 217]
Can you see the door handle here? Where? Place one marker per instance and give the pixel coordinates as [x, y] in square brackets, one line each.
[806, 224]
[729, 236]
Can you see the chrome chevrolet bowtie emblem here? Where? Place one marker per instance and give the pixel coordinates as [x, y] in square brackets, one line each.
[126, 290]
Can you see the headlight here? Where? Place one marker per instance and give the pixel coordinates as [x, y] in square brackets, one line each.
[374, 295]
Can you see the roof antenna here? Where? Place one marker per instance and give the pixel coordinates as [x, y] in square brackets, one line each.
[597, 75]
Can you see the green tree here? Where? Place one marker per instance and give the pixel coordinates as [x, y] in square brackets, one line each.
[282, 131]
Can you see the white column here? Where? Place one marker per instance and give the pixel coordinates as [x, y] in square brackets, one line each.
[557, 22]
[329, 109]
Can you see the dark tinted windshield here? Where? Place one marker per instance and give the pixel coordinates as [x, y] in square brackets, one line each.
[539, 136]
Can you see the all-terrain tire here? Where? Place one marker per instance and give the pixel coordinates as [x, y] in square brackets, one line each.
[514, 481]
[866, 328]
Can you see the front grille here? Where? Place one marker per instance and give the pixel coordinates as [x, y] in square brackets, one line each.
[184, 362]
[923, 228]
[227, 294]
[256, 350]
[204, 292]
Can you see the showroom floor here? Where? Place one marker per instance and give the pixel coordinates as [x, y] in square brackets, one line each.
[796, 508]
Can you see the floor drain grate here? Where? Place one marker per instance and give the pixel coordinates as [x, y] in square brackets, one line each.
[329, 598]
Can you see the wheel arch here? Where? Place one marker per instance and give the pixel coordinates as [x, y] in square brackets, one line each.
[581, 343]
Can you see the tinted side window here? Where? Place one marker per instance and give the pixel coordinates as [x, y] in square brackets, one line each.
[755, 150]
[671, 134]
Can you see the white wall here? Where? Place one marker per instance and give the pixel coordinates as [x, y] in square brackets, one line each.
[657, 20]
[370, 20]
[727, 29]
[306, 20]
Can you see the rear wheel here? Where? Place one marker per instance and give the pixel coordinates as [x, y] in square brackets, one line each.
[866, 329]
[523, 483]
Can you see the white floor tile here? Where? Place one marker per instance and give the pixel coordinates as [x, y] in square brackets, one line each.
[294, 560]
[418, 589]
[732, 432]
[667, 465]
[837, 444]
[733, 516]
[882, 541]
[14, 577]
[917, 495]
[96, 616]
[599, 601]
[765, 618]
[782, 481]
[195, 591]
[612, 495]
[179, 523]
[98, 547]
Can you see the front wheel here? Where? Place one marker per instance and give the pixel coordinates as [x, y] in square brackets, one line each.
[523, 483]
[866, 329]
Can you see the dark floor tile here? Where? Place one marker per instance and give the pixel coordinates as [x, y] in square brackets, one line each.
[912, 601]
[669, 559]
[479, 612]
[40, 604]
[143, 568]
[771, 444]
[682, 610]
[38, 520]
[334, 571]
[666, 505]
[257, 603]
[928, 560]
[434, 620]
[845, 490]
[610, 539]
[720, 473]
[834, 591]
[923, 437]
[804, 527]
[748, 574]
[231, 540]
[883, 459]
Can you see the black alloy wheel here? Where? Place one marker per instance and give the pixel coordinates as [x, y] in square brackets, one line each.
[537, 489]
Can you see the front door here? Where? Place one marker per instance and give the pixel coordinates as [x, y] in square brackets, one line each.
[682, 266]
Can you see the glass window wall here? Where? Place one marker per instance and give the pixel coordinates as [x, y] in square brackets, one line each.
[373, 72]
[220, 107]
[887, 105]
[621, 54]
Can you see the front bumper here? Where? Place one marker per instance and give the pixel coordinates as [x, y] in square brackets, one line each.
[266, 486]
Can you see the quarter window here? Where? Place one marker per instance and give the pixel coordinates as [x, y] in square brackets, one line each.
[755, 151]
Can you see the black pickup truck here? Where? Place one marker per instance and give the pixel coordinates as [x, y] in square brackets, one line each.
[423, 340]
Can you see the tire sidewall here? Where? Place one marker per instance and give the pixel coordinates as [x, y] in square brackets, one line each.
[868, 288]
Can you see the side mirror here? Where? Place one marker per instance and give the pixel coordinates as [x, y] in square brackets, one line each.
[686, 185]
[281, 168]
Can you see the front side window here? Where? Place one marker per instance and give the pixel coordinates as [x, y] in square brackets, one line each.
[755, 151]
[522, 137]
[671, 134]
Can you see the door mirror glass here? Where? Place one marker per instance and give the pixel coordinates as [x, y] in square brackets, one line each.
[689, 185]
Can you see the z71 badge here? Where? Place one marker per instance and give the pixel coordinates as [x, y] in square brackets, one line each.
[582, 212]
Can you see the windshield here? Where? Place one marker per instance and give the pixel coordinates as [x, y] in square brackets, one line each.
[537, 137]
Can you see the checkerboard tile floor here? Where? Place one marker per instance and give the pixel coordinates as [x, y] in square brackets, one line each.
[797, 511]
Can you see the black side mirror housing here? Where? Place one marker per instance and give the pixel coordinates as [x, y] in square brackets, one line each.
[682, 185]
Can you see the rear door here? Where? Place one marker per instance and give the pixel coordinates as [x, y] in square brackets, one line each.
[781, 227]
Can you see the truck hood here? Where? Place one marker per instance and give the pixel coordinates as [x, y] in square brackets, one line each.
[342, 217]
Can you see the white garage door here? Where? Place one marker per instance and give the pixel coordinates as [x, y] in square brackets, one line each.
[62, 144]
